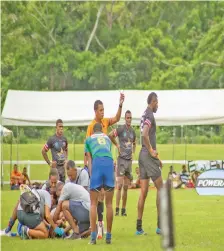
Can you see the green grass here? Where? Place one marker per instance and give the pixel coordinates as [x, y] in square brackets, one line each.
[40, 172]
[198, 226]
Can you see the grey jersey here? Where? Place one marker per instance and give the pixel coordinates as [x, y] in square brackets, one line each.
[59, 148]
[75, 192]
[126, 138]
[148, 119]
[82, 178]
[45, 201]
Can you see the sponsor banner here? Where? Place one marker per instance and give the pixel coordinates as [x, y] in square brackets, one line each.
[211, 183]
[204, 165]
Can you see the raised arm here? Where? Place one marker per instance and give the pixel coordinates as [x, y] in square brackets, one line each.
[118, 115]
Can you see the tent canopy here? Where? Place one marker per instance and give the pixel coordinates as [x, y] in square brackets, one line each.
[4, 131]
[75, 108]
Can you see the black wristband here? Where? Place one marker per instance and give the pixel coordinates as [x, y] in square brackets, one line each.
[120, 106]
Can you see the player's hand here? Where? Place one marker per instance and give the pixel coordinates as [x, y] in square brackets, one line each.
[53, 164]
[121, 98]
[153, 153]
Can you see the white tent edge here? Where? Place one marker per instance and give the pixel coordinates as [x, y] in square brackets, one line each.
[175, 109]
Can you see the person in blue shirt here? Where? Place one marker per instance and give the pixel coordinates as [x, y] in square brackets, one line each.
[101, 168]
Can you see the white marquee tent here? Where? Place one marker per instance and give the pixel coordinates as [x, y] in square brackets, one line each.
[4, 131]
[75, 108]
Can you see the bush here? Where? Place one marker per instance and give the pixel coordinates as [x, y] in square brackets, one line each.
[163, 137]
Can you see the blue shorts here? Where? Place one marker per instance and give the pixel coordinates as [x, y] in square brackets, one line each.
[102, 174]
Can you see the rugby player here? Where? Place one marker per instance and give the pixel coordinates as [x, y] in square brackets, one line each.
[149, 162]
[126, 147]
[100, 162]
[59, 150]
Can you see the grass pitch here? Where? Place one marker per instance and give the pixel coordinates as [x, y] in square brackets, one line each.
[198, 226]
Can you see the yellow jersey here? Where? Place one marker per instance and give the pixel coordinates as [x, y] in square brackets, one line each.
[106, 122]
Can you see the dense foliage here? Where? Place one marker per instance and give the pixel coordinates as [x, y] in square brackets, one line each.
[111, 45]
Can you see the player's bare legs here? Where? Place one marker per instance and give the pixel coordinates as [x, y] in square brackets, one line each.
[141, 203]
[158, 184]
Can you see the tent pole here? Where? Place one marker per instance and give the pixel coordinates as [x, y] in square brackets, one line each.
[182, 132]
[17, 140]
[74, 146]
[11, 153]
[185, 141]
[2, 159]
[174, 134]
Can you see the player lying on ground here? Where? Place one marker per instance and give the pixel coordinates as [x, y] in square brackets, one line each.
[34, 214]
[74, 202]
[100, 161]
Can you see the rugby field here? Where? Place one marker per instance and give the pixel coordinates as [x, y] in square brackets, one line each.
[198, 226]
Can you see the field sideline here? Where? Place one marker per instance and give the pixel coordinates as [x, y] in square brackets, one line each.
[33, 152]
[198, 226]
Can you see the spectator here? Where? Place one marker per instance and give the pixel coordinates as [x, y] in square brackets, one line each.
[184, 175]
[15, 178]
[174, 177]
[25, 177]
[194, 177]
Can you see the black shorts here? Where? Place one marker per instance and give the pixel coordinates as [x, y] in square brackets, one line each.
[149, 166]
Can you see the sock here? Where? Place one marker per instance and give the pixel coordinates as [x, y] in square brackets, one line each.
[123, 210]
[93, 235]
[27, 231]
[108, 236]
[11, 223]
[117, 209]
[139, 225]
[100, 211]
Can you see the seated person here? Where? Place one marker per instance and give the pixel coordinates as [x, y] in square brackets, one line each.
[15, 178]
[194, 177]
[33, 223]
[79, 176]
[24, 177]
[174, 177]
[184, 177]
[74, 201]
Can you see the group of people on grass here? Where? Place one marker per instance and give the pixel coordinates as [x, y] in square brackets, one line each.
[17, 178]
[73, 207]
